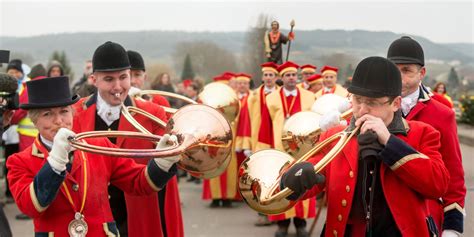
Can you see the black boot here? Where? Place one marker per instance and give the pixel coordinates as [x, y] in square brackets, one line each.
[302, 232]
[215, 203]
[226, 203]
[281, 232]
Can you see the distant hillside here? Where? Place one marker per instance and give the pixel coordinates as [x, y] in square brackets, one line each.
[160, 45]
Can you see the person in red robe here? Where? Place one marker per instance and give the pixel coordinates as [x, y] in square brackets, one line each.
[283, 103]
[260, 122]
[315, 83]
[242, 138]
[306, 72]
[331, 86]
[222, 190]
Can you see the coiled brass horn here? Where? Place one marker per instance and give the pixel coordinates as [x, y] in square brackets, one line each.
[204, 140]
[301, 131]
[260, 174]
[217, 95]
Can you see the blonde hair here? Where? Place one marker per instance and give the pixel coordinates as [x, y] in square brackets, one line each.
[33, 114]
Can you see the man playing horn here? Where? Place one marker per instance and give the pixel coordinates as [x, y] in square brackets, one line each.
[380, 183]
[135, 216]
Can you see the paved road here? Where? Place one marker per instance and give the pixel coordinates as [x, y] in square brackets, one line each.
[201, 221]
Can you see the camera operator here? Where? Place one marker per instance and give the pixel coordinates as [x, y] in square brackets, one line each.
[8, 104]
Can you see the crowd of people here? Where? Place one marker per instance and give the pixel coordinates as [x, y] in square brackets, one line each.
[401, 176]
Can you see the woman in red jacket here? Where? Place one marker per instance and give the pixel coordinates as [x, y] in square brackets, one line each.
[64, 191]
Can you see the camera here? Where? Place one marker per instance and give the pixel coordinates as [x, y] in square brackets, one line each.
[8, 87]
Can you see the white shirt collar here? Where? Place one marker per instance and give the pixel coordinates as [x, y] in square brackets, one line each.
[46, 142]
[409, 101]
[327, 89]
[242, 95]
[107, 112]
[267, 90]
[288, 93]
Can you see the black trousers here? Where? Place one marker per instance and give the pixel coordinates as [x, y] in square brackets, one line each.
[298, 222]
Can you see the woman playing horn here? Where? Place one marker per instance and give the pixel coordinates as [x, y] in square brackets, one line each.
[64, 191]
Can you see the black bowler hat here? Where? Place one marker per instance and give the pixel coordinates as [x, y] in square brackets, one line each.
[406, 51]
[109, 57]
[376, 77]
[136, 60]
[49, 93]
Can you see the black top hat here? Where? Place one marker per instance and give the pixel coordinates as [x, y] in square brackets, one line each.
[136, 60]
[49, 93]
[109, 57]
[406, 51]
[376, 77]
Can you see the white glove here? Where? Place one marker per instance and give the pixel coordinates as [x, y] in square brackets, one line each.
[344, 105]
[166, 163]
[133, 90]
[59, 155]
[450, 233]
[247, 152]
[331, 119]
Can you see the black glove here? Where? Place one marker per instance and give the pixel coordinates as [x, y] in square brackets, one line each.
[300, 178]
[369, 146]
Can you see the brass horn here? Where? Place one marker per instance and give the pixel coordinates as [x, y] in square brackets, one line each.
[301, 132]
[215, 94]
[204, 140]
[260, 174]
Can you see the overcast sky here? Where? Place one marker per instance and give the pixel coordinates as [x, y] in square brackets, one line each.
[440, 21]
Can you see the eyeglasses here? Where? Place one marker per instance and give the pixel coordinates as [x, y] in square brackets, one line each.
[371, 103]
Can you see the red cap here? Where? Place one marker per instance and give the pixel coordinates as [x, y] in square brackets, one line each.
[328, 70]
[314, 78]
[242, 77]
[308, 68]
[221, 78]
[269, 66]
[288, 66]
[228, 75]
[187, 82]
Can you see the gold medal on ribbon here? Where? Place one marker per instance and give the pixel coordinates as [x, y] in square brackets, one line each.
[78, 227]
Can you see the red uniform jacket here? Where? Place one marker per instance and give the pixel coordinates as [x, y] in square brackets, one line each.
[443, 119]
[31, 177]
[143, 212]
[410, 174]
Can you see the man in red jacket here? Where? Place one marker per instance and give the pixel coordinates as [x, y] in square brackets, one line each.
[378, 185]
[135, 216]
[418, 105]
